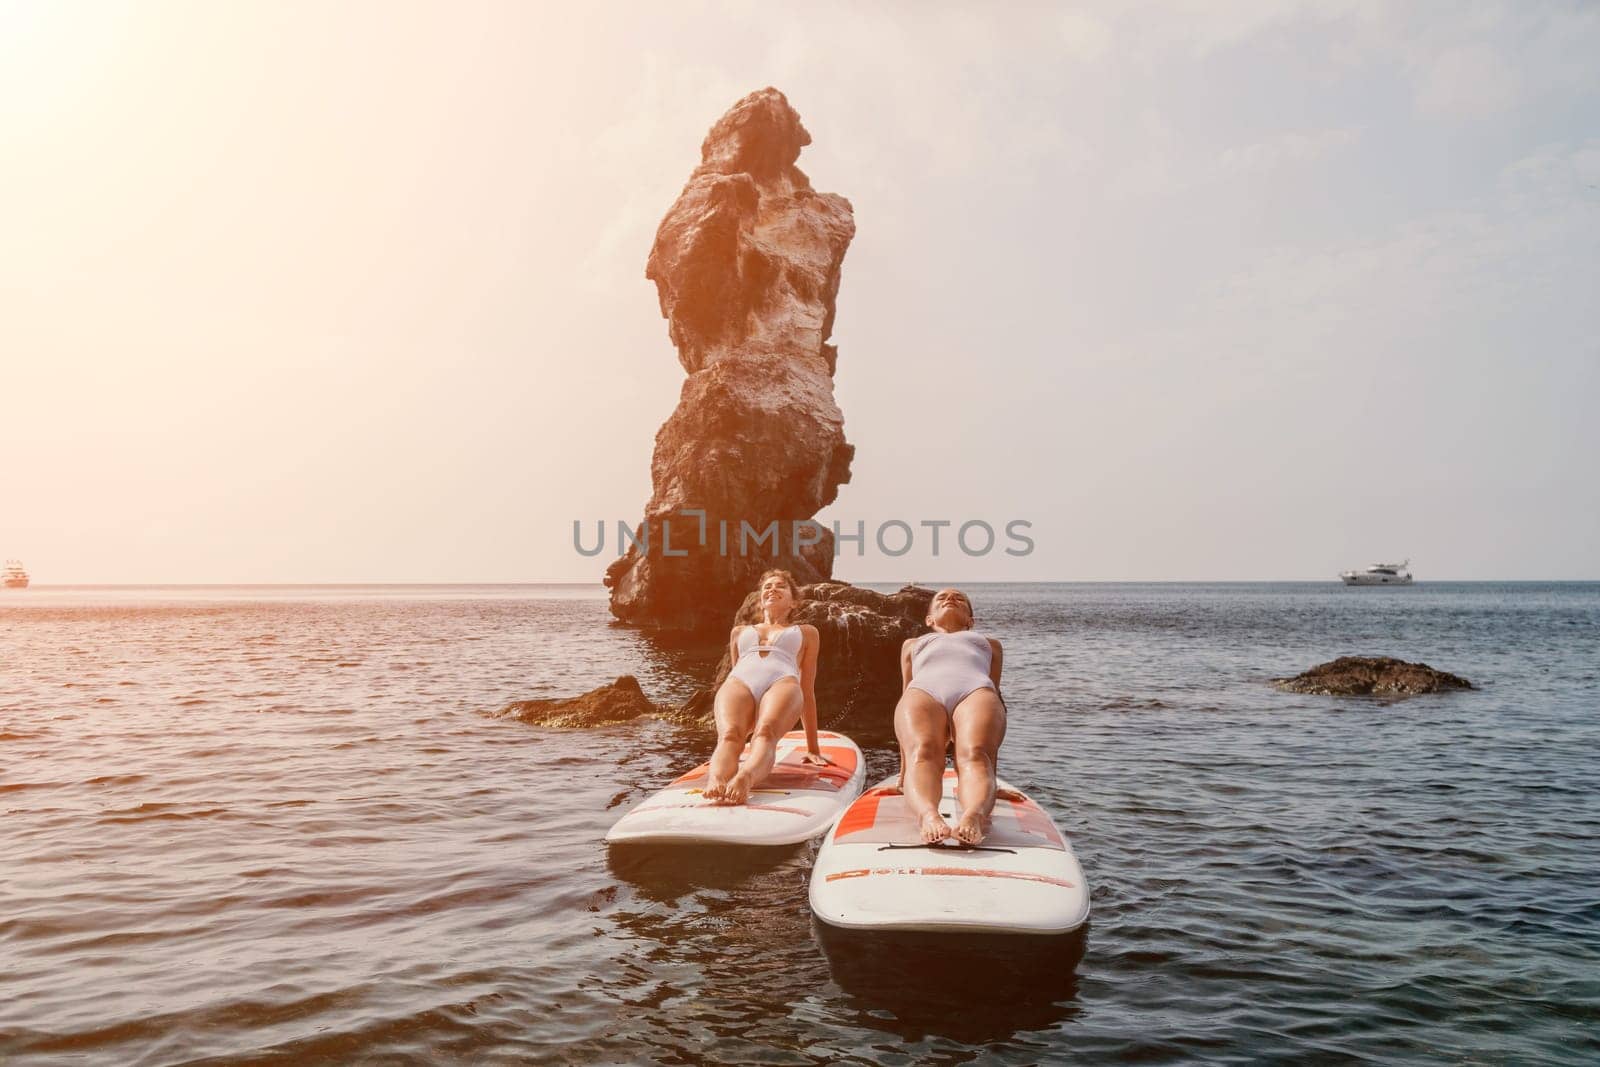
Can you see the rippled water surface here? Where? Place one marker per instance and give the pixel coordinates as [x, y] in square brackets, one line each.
[276, 824]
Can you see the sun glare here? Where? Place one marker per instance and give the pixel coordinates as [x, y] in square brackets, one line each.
[50, 53]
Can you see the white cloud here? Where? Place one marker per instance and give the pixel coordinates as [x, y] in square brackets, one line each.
[1419, 294]
[1286, 149]
[1086, 37]
[1471, 82]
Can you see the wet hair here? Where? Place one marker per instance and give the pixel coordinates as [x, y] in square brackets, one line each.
[788, 579]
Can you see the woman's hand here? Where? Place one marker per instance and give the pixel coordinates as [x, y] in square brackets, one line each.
[816, 759]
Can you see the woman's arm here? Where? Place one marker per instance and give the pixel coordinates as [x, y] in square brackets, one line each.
[996, 659]
[812, 643]
[906, 648]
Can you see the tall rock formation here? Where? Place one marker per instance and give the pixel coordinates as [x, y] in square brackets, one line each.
[746, 265]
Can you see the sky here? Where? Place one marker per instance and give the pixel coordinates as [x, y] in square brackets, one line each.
[303, 292]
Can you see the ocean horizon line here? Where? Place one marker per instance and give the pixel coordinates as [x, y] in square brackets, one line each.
[896, 582]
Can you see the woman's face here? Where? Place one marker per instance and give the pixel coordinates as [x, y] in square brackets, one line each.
[950, 610]
[777, 599]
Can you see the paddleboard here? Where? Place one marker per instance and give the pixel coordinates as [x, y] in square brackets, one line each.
[797, 802]
[873, 873]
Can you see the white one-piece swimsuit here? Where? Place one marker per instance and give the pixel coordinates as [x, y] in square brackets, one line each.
[782, 659]
[950, 666]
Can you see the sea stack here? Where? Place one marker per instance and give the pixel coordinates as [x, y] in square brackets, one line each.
[746, 265]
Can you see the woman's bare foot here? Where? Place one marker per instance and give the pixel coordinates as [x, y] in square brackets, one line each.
[933, 828]
[970, 828]
[737, 791]
[713, 789]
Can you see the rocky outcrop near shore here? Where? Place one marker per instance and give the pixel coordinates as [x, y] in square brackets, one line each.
[619, 701]
[747, 266]
[858, 665]
[1371, 676]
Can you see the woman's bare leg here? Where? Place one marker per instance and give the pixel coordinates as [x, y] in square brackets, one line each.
[780, 710]
[735, 711]
[980, 721]
[922, 728]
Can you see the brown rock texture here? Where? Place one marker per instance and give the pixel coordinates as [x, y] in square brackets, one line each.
[746, 265]
[619, 701]
[858, 665]
[1371, 675]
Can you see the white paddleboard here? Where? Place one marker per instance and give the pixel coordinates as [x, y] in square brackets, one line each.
[872, 872]
[797, 802]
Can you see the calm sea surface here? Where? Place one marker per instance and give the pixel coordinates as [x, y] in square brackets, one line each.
[275, 824]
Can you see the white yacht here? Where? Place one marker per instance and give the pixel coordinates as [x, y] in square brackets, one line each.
[14, 576]
[1379, 574]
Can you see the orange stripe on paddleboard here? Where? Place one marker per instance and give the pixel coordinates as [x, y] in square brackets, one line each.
[957, 872]
[694, 775]
[861, 816]
[1032, 819]
[842, 767]
[844, 757]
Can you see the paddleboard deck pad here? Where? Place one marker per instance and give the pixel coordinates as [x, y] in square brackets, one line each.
[797, 802]
[873, 872]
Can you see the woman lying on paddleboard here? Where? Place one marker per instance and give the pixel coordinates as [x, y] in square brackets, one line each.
[952, 691]
[772, 685]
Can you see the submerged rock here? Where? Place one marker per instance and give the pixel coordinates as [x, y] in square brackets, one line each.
[746, 265]
[858, 665]
[620, 701]
[1371, 675]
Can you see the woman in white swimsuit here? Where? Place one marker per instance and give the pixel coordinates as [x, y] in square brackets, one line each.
[771, 686]
[952, 691]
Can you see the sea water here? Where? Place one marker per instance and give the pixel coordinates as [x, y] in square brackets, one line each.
[279, 824]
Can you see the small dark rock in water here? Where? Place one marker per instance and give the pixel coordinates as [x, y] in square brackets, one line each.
[858, 666]
[1374, 675]
[620, 701]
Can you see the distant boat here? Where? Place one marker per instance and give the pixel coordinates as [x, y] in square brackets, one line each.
[15, 577]
[1379, 574]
